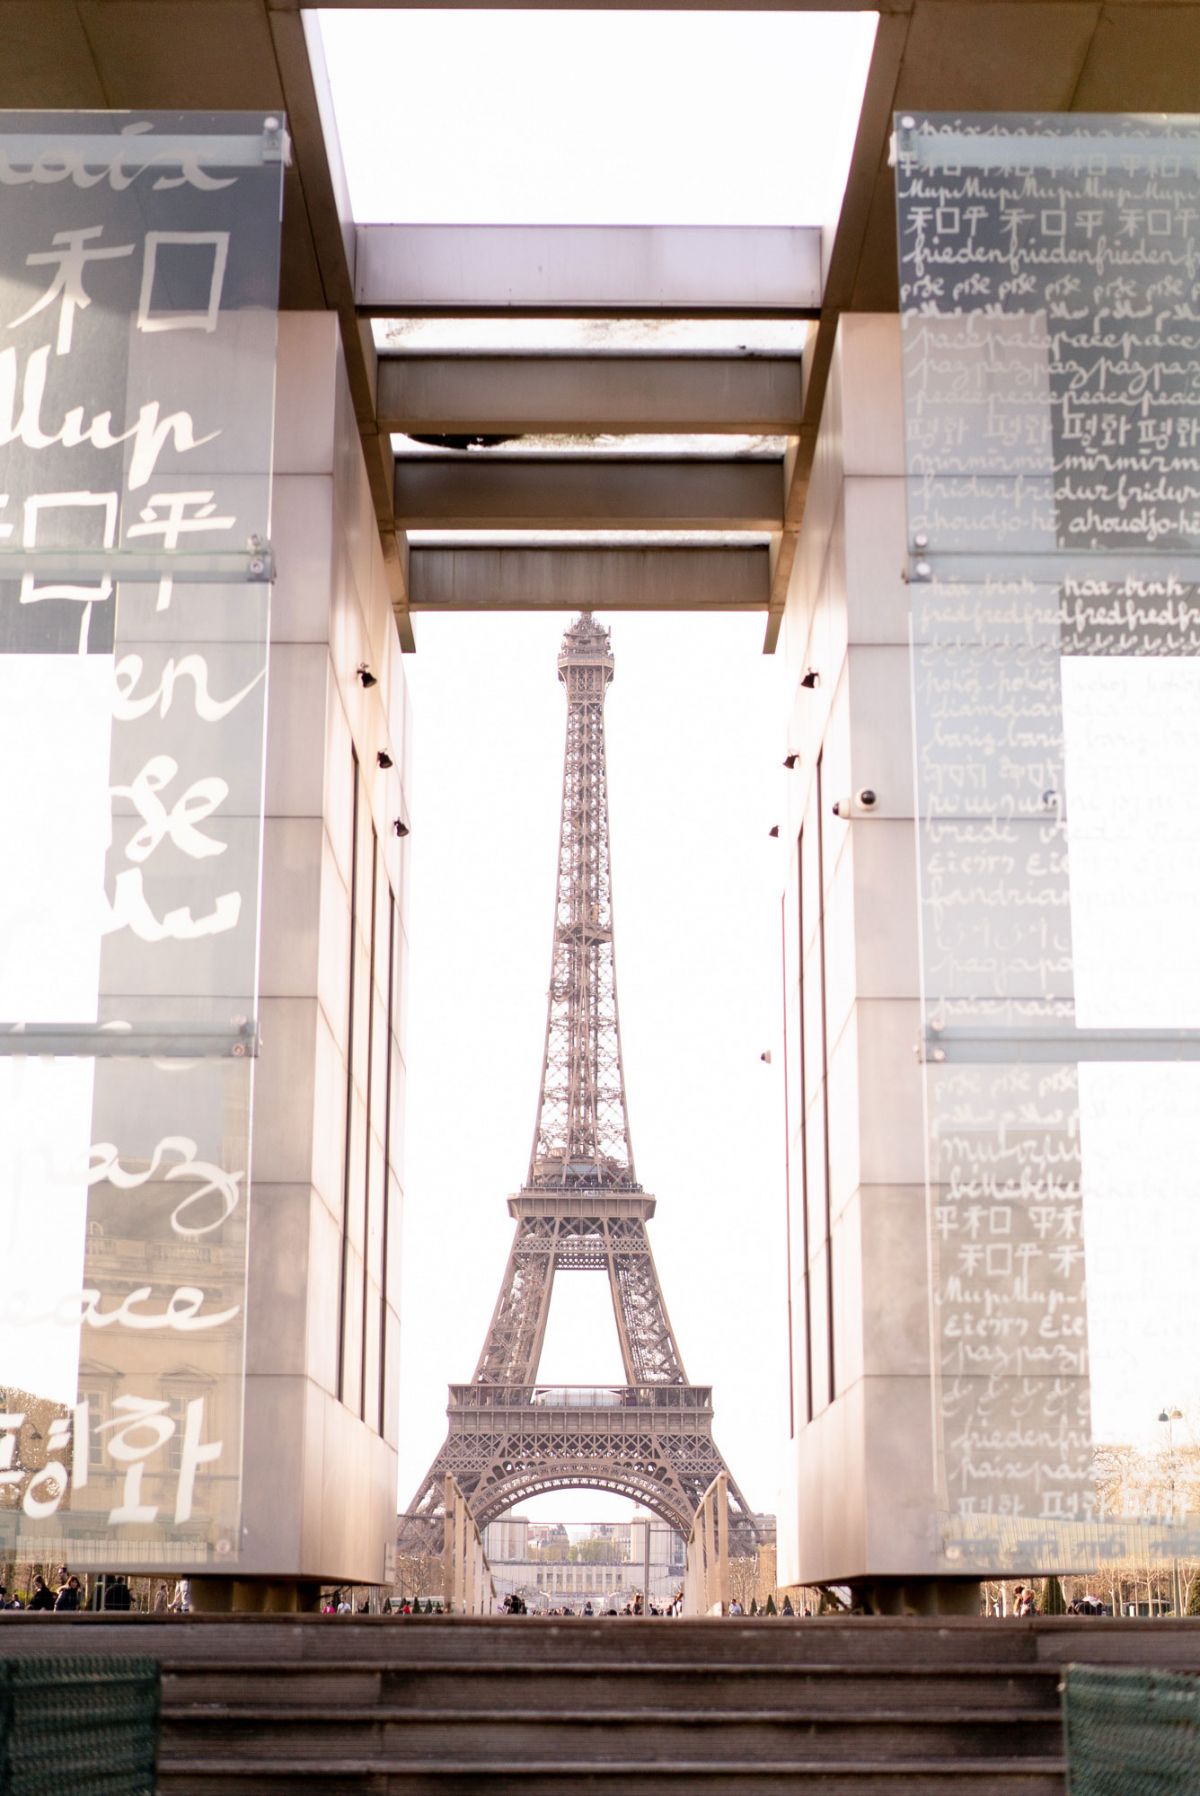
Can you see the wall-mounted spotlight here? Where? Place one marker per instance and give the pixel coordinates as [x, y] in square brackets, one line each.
[366, 678]
[383, 758]
[400, 827]
[774, 830]
[789, 761]
[810, 678]
[765, 1057]
[864, 800]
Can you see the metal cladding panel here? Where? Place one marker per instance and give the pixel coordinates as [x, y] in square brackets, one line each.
[614, 579]
[744, 268]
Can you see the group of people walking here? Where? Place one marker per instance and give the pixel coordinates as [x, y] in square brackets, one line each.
[66, 1594]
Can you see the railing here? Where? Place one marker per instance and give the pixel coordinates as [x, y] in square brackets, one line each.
[706, 1581]
[581, 1396]
[1131, 1732]
[468, 1587]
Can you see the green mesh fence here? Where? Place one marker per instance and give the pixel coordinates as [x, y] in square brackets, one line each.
[78, 1726]
[1131, 1733]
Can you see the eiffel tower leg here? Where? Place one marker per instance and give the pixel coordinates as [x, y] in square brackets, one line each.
[513, 1345]
[643, 1326]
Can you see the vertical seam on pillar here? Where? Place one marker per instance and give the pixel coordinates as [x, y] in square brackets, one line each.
[366, 1234]
[829, 1331]
[345, 1243]
[387, 1166]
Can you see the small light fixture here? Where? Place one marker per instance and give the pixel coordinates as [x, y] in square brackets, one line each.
[766, 1057]
[383, 758]
[789, 761]
[810, 678]
[400, 827]
[366, 678]
[774, 830]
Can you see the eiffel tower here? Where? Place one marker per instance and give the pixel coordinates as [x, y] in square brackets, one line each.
[581, 1209]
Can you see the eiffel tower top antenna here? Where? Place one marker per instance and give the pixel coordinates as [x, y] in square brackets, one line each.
[581, 1138]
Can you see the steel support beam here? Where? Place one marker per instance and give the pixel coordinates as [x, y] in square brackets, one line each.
[579, 394]
[589, 268]
[576, 579]
[475, 492]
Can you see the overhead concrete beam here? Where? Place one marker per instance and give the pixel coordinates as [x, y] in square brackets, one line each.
[477, 494]
[574, 579]
[589, 394]
[590, 268]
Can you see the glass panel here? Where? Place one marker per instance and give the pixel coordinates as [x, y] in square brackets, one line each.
[1052, 420]
[138, 284]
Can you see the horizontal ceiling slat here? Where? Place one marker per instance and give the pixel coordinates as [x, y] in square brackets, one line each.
[609, 268]
[475, 493]
[581, 394]
[607, 579]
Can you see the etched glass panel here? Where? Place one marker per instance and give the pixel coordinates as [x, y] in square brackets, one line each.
[1051, 332]
[138, 284]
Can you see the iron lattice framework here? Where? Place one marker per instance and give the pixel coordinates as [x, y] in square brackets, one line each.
[581, 1210]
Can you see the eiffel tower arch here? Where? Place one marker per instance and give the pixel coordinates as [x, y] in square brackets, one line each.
[581, 1209]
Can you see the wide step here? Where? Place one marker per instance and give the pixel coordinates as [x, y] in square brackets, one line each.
[458, 1707]
[930, 1777]
[596, 1733]
[413, 1684]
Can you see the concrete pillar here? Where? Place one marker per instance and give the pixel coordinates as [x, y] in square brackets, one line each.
[861, 1505]
[319, 1493]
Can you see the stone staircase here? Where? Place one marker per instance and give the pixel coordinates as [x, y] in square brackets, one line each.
[463, 1707]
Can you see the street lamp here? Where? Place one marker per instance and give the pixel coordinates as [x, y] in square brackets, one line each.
[1169, 1417]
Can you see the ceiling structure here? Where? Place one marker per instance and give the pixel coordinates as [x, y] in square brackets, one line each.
[692, 529]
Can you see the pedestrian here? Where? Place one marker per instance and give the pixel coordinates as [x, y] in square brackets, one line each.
[43, 1596]
[117, 1595]
[735, 1608]
[162, 1601]
[68, 1598]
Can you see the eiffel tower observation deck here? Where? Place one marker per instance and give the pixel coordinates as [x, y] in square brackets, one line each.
[581, 1209]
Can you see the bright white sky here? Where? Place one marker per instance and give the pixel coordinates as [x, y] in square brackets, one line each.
[598, 117]
[693, 722]
[561, 117]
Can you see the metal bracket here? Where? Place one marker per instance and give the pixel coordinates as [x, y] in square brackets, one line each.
[1047, 567]
[276, 142]
[120, 1040]
[1054, 1045]
[255, 564]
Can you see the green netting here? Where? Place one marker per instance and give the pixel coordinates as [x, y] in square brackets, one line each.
[88, 1726]
[1131, 1733]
